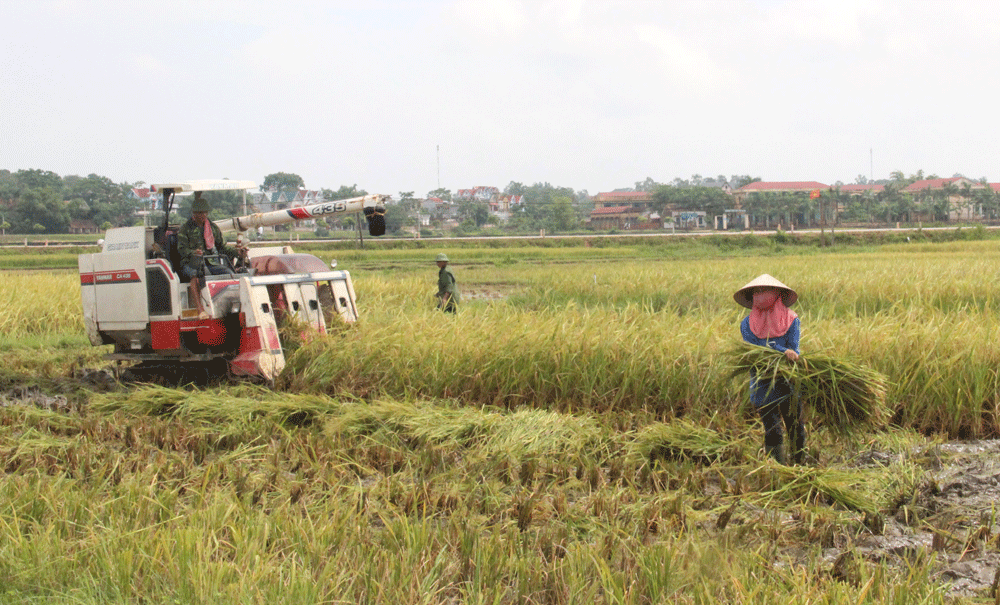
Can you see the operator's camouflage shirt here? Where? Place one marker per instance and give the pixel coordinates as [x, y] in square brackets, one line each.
[191, 236]
[447, 285]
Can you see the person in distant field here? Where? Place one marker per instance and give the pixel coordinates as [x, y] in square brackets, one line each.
[195, 239]
[772, 324]
[447, 293]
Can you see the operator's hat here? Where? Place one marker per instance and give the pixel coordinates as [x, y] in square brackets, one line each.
[744, 298]
[442, 257]
[200, 204]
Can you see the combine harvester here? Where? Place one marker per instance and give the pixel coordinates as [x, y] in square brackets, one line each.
[134, 296]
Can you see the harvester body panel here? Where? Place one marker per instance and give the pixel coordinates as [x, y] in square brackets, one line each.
[134, 297]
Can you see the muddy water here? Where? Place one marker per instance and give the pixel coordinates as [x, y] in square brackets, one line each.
[953, 518]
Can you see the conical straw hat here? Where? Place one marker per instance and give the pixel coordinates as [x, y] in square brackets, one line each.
[744, 298]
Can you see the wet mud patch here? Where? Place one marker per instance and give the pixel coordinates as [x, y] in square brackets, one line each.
[952, 517]
[34, 396]
[64, 395]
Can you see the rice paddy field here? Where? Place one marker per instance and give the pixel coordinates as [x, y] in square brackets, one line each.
[573, 435]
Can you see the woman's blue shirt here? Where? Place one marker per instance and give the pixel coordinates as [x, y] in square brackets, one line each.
[788, 340]
[765, 393]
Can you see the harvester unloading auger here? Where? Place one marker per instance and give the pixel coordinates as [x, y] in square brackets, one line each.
[133, 296]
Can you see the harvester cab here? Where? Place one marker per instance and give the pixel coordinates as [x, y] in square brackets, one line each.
[135, 296]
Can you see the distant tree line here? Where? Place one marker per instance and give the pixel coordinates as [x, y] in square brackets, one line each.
[41, 201]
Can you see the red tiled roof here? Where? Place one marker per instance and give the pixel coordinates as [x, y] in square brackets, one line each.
[613, 210]
[930, 184]
[783, 186]
[995, 187]
[861, 188]
[625, 195]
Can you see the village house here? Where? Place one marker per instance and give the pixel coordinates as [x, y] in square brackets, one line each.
[436, 210]
[481, 193]
[81, 226]
[959, 206]
[626, 210]
[148, 200]
[805, 188]
[745, 194]
[857, 189]
[639, 200]
[502, 206]
[499, 205]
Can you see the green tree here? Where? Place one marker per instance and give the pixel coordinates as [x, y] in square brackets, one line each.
[99, 198]
[94, 188]
[712, 200]
[742, 180]
[647, 185]
[540, 205]
[8, 186]
[282, 181]
[345, 192]
[41, 207]
[441, 193]
[38, 179]
[395, 220]
[119, 213]
[985, 201]
[78, 209]
[477, 213]
[407, 211]
[514, 188]
[224, 204]
[562, 217]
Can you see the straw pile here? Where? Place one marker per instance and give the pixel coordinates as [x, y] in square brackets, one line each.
[843, 394]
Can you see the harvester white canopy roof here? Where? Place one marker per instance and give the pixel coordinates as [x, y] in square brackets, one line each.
[204, 185]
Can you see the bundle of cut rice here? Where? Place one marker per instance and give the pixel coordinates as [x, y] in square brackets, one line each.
[842, 393]
[683, 439]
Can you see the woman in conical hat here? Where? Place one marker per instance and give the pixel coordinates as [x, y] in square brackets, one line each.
[771, 323]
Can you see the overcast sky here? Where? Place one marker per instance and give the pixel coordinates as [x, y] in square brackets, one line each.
[410, 95]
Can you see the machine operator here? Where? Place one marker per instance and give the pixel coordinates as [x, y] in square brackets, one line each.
[197, 238]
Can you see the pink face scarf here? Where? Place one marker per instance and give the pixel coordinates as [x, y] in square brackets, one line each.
[770, 317]
[209, 236]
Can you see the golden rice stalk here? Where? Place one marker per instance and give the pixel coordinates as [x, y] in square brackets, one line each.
[683, 439]
[842, 393]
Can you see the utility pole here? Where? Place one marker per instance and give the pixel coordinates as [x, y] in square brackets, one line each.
[439, 165]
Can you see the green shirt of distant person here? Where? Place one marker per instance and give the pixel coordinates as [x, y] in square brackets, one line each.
[448, 296]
